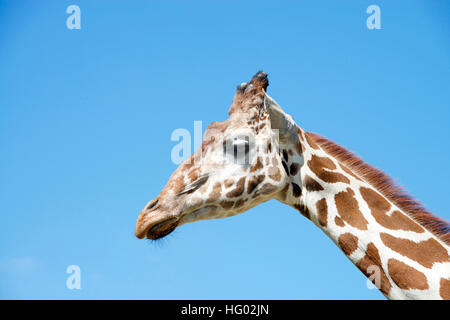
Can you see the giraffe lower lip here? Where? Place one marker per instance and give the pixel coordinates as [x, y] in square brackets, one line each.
[162, 229]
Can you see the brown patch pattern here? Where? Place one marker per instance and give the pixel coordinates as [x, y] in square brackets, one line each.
[239, 203]
[236, 192]
[311, 184]
[258, 165]
[193, 175]
[348, 209]
[348, 243]
[299, 147]
[274, 173]
[372, 258]
[179, 184]
[216, 191]
[425, 252]
[338, 221]
[311, 141]
[253, 183]
[387, 187]
[267, 188]
[321, 166]
[285, 156]
[379, 208]
[274, 162]
[444, 290]
[296, 191]
[303, 210]
[406, 277]
[228, 183]
[226, 204]
[322, 212]
[293, 169]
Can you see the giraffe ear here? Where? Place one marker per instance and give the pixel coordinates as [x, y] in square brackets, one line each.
[279, 120]
[238, 97]
[246, 93]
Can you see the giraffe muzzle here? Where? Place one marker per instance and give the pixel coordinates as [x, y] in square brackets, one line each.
[162, 229]
[156, 227]
[158, 218]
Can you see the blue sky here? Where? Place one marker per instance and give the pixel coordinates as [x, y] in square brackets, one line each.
[86, 118]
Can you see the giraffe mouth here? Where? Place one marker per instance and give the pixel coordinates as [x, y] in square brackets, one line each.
[159, 227]
[162, 229]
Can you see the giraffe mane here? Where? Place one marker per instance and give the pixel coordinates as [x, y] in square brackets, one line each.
[387, 186]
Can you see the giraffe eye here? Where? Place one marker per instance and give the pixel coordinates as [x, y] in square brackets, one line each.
[240, 145]
[238, 148]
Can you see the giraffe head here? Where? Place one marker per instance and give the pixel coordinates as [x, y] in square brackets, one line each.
[237, 167]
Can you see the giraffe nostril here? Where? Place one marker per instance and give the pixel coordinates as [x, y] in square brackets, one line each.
[151, 205]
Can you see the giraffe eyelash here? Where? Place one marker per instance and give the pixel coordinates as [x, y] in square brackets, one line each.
[195, 185]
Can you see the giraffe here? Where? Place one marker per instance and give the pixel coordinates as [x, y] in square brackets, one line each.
[259, 153]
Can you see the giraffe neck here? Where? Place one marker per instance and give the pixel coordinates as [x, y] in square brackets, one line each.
[400, 256]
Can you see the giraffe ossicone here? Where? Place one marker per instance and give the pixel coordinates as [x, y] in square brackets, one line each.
[259, 153]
